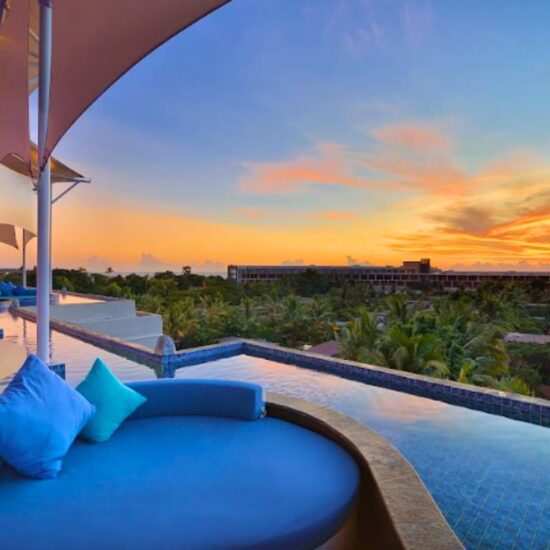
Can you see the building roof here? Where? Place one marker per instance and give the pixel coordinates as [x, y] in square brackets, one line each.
[332, 348]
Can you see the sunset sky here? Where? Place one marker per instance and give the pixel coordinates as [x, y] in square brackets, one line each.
[321, 131]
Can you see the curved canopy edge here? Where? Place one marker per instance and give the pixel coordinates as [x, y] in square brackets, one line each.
[111, 39]
[14, 97]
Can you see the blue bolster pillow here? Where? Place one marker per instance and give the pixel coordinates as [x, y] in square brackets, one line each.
[22, 291]
[199, 398]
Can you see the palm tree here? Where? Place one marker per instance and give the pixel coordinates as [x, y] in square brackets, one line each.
[420, 353]
[293, 320]
[398, 309]
[472, 372]
[181, 320]
[513, 384]
[359, 336]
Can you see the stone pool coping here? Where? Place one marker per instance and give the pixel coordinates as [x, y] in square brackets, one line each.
[395, 508]
[526, 409]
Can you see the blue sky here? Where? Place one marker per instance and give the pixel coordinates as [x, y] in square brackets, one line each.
[288, 118]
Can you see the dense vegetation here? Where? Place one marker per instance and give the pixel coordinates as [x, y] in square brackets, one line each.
[457, 336]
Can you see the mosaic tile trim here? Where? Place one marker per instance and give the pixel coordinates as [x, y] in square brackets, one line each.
[525, 409]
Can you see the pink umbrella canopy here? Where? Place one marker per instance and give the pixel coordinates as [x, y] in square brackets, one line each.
[7, 235]
[14, 106]
[86, 46]
[95, 43]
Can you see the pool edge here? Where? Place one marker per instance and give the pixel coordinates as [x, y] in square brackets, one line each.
[395, 505]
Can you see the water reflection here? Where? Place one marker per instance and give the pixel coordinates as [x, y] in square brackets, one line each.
[77, 355]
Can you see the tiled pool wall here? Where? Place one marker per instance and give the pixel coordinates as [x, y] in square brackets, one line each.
[517, 407]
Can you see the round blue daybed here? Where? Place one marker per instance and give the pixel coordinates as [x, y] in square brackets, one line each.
[197, 466]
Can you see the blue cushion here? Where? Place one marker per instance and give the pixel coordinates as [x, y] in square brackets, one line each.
[187, 482]
[6, 289]
[23, 291]
[113, 400]
[229, 399]
[40, 416]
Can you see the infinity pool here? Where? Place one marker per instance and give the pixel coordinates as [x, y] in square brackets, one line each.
[489, 475]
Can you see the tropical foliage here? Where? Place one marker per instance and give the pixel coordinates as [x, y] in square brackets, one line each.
[455, 336]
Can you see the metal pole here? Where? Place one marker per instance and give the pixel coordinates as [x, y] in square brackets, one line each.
[24, 265]
[50, 271]
[44, 186]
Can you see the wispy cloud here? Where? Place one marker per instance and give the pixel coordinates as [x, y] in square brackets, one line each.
[337, 216]
[506, 221]
[275, 215]
[405, 156]
[418, 19]
[251, 213]
[328, 164]
[350, 260]
[149, 262]
[414, 137]
[366, 26]
[415, 155]
[468, 219]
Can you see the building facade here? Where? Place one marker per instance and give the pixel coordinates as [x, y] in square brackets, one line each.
[410, 273]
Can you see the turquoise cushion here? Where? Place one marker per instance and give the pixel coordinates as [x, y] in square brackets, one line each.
[113, 400]
[40, 416]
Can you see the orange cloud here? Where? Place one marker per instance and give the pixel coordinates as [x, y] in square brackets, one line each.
[499, 215]
[416, 156]
[251, 213]
[405, 157]
[337, 215]
[414, 137]
[331, 165]
[510, 222]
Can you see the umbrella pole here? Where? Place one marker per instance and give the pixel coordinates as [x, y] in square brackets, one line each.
[24, 263]
[44, 186]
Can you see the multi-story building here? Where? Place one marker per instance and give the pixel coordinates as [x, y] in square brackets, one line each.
[410, 273]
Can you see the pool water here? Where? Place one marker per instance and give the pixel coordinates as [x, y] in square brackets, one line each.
[490, 475]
